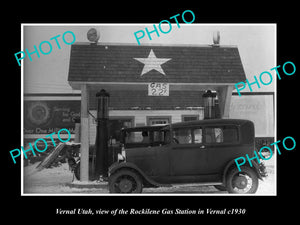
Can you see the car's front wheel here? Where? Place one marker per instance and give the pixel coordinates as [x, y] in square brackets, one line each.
[125, 181]
[242, 182]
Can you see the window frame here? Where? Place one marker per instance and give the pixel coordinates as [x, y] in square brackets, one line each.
[196, 116]
[155, 118]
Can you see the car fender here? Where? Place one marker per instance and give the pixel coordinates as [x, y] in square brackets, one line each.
[255, 167]
[147, 181]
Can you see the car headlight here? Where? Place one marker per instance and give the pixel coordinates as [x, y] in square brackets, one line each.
[121, 157]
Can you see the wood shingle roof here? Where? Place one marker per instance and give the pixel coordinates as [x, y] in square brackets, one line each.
[187, 64]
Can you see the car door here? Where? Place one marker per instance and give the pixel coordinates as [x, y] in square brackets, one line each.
[221, 144]
[187, 154]
[148, 150]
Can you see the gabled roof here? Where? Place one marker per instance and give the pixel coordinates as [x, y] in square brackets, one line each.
[187, 64]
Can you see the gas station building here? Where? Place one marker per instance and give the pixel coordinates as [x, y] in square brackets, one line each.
[150, 84]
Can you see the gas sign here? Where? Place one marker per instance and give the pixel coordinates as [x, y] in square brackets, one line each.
[158, 89]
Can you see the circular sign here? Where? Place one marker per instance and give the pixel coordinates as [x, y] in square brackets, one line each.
[38, 113]
[93, 35]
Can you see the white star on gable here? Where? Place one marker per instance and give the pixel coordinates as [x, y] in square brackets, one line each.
[152, 63]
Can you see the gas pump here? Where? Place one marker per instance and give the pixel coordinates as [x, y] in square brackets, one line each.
[101, 145]
[209, 104]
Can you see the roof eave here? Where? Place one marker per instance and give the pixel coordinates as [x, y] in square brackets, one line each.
[155, 44]
[76, 85]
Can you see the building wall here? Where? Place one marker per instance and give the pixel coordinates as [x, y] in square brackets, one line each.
[257, 108]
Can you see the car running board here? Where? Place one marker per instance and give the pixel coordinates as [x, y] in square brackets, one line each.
[196, 184]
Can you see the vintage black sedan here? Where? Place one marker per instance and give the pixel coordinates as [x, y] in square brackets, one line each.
[200, 151]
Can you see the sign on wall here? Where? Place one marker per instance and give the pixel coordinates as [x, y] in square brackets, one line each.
[158, 89]
[45, 117]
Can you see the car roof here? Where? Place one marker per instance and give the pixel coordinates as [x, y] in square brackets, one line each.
[207, 122]
[145, 128]
[211, 122]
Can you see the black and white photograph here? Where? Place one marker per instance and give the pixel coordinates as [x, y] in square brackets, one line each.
[145, 109]
[138, 114]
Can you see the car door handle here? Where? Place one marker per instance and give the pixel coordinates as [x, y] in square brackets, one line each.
[202, 146]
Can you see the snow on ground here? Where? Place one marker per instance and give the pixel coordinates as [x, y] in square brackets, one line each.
[57, 180]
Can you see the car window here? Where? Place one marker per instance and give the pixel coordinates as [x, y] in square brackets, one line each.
[158, 136]
[224, 134]
[137, 137]
[187, 136]
[197, 135]
[182, 136]
[167, 136]
[145, 138]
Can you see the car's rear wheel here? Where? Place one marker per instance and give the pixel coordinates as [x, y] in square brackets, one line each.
[242, 182]
[125, 181]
